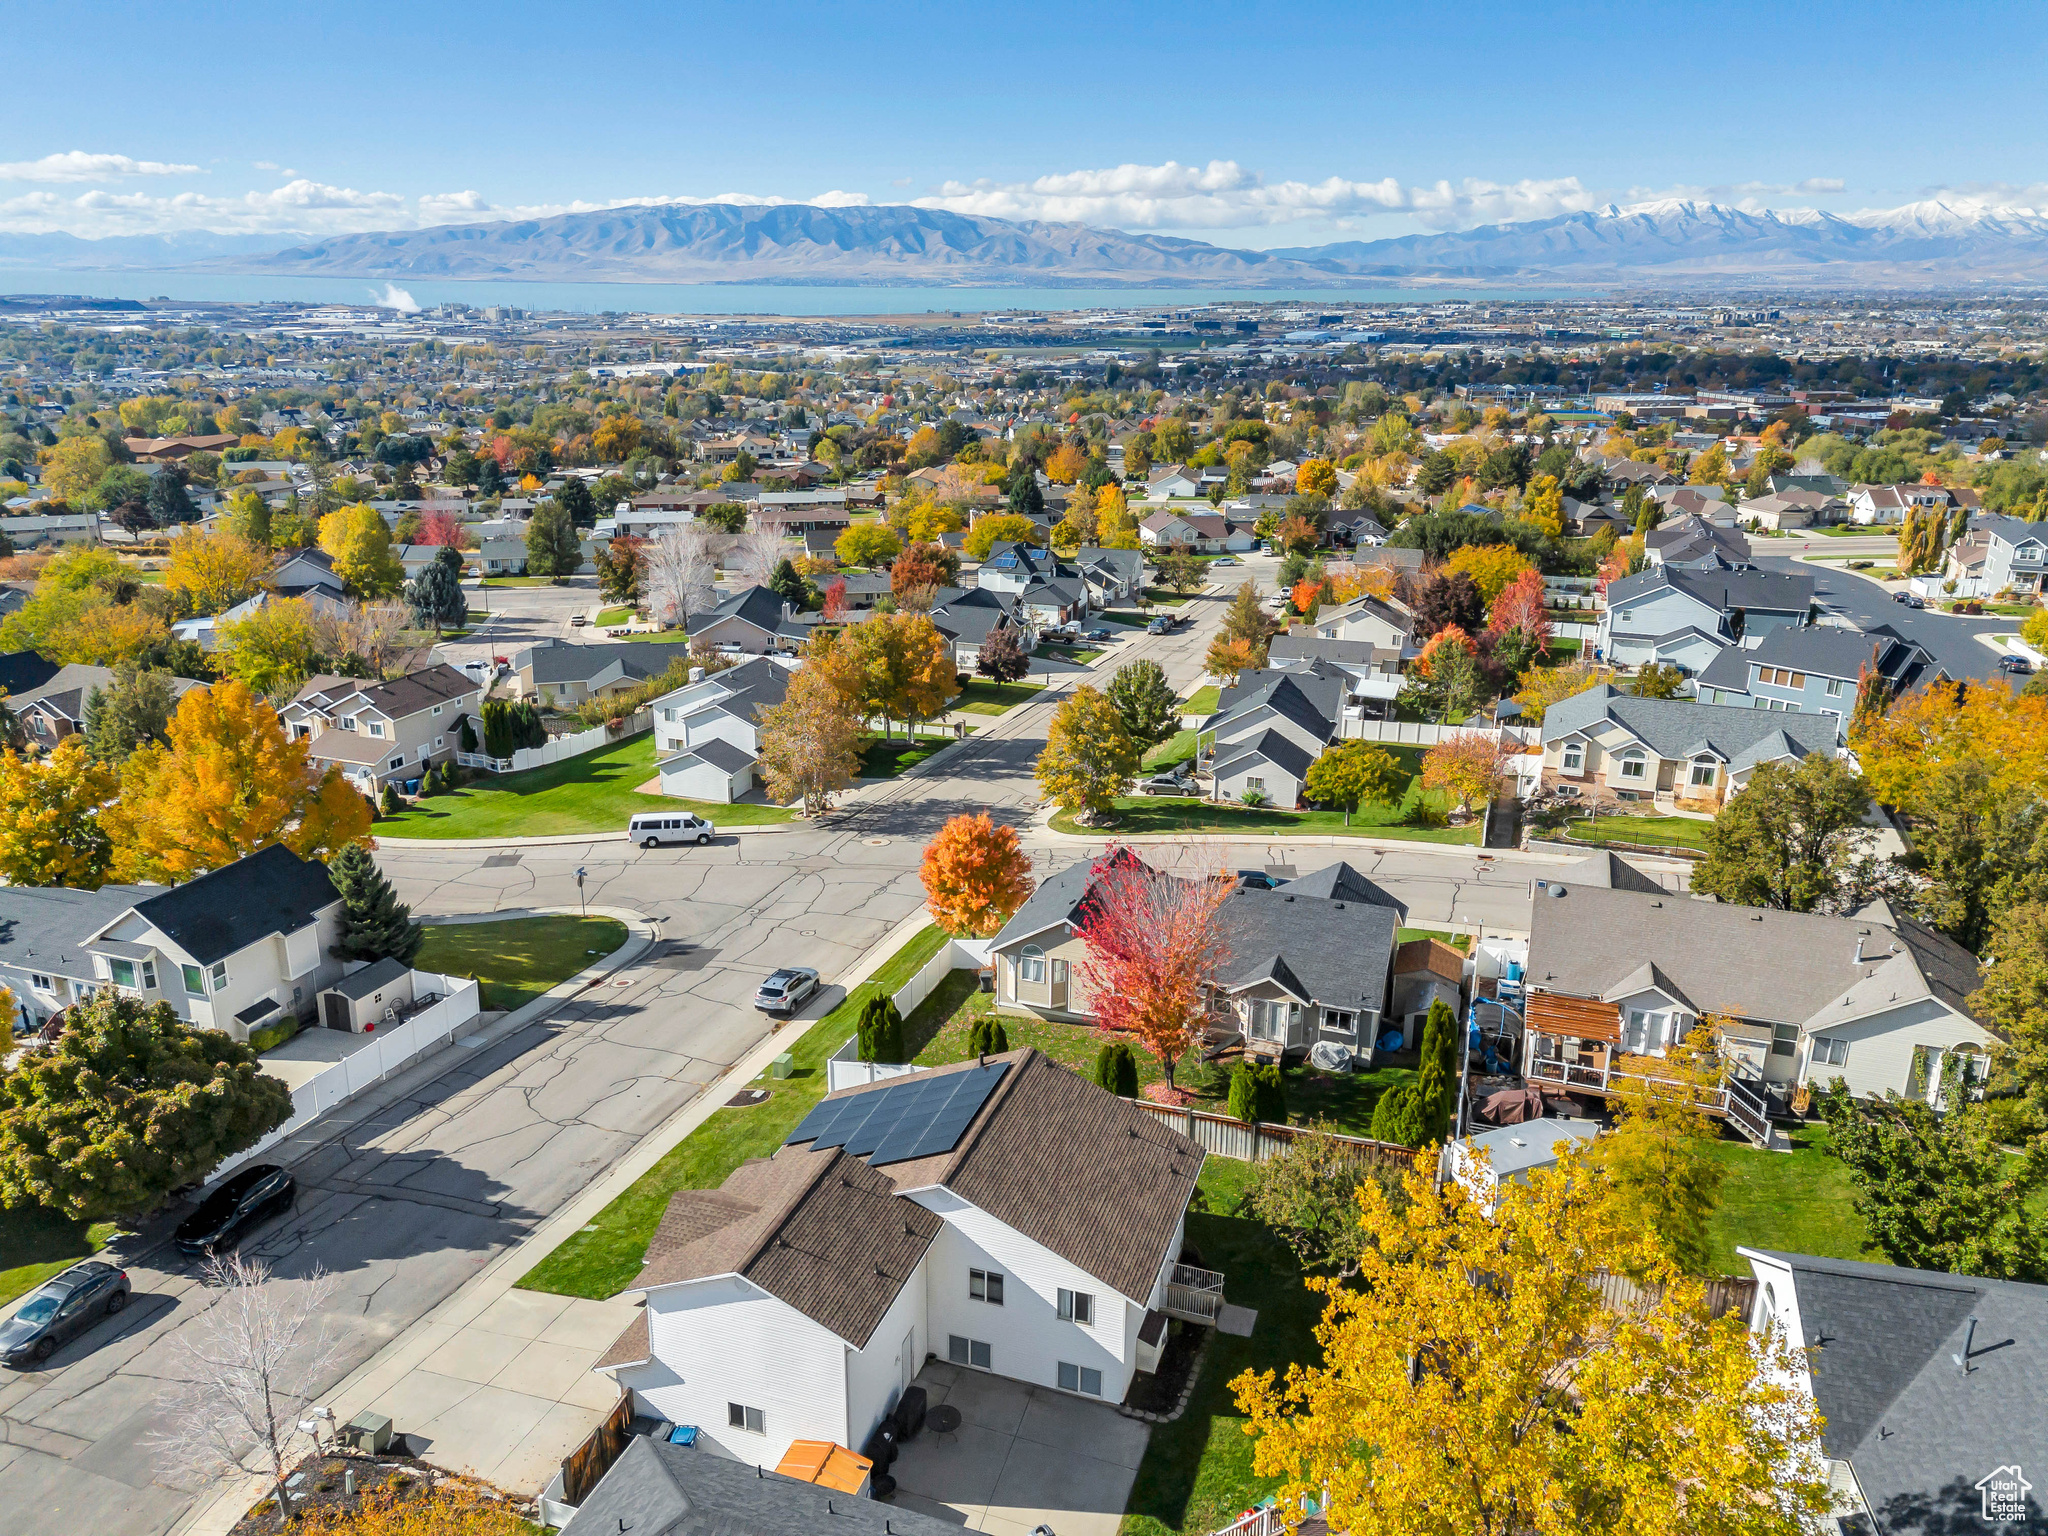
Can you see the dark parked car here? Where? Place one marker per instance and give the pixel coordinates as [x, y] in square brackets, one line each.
[1097, 634]
[1257, 880]
[237, 1203]
[1159, 626]
[1910, 599]
[2015, 664]
[788, 987]
[61, 1309]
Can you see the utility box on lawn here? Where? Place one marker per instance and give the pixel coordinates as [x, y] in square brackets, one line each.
[368, 1432]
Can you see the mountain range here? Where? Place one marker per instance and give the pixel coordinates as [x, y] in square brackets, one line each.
[1674, 243]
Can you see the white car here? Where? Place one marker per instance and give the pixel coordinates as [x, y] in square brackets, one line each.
[652, 829]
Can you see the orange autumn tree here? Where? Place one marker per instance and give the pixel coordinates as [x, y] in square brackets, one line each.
[976, 875]
[1521, 606]
[1907, 749]
[1228, 658]
[1305, 594]
[228, 784]
[1440, 645]
[1464, 767]
[1156, 943]
[1064, 465]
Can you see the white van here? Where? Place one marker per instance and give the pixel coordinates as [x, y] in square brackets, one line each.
[651, 831]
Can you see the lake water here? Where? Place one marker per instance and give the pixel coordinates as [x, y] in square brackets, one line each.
[702, 298]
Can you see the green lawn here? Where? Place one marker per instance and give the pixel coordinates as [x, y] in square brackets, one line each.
[597, 792]
[614, 616]
[1562, 652]
[524, 581]
[1177, 748]
[886, 759]
[1656, 831]
[1203, 701]
[1166, 597]
[1798, 1202]
[1197, 1473]
[1459, 941]
[519, 958]
[984, 697]
[35, 1244]
[604, 1258]
[1161, 816]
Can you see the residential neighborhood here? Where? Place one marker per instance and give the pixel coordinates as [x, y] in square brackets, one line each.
[1038, 920]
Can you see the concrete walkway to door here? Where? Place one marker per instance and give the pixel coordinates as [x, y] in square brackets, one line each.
[1023, 1456]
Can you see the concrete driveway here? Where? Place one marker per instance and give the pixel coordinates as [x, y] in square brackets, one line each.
[1023, 1457]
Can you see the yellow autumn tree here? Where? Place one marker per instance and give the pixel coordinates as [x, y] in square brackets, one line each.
[1543, 505]
[1115, 526]
[215, 568]
[1078, 526]
[1540, 687]
[360, 545]
[49, 817]
[74, 466]
[1316, 477]
[229, 783]
[1501, 1394]
[1064, 465]
[274, 649]
[1911, 745]
[1491, 566]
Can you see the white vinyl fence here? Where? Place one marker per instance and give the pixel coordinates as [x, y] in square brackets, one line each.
[1417, 733]
[845, 1069]
[558, 749]
[387, 1049]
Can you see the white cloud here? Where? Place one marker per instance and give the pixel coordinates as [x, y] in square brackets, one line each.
[1224, 195]
[77, 165]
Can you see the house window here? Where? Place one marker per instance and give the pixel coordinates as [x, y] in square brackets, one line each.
[1829, 1051]
[1059, 973]
[967, 1352]
[347, 722]
[1784, 1039]
[1076, 1307]
[1634, 767]
[376, 727]
[1703, 775]
[1078, 1378]
[752, 1420]
[1645, 1032]
[985, 1285]
[435, 712]
[439, 742]
[397, 762]
[41, 983]
[122, 971]
[1340, 1021]
[1031, 964]
[220, 976]
[1835, 686]
[195, 980]
[1574, 756]
[1262, 1023]
[1252, 781]
[149, 975]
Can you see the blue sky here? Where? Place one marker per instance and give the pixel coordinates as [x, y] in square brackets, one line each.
[1252, 126]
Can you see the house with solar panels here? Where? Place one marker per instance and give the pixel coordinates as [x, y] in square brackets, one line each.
[1004, 1215]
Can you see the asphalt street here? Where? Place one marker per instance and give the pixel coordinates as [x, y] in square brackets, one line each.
[1949, 638]
[447, 1165]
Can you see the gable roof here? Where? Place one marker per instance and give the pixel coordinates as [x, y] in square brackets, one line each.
[396, 699]
[1335, 952]
[1274, 747]
[557, 661]
[1919, 1432]
[226, 910]
[65, 692]
[759, 606]
[1679, 728]
[1311, 697]
[1722, 591]
[45, 928]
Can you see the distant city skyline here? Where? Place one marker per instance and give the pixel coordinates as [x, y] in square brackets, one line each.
[1251, 129]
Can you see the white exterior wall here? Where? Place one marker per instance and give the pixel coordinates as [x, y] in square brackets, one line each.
[1881, 1045]
[706, 781]
[271, 967]
[720, 725]
[724, 1340]
[1026, 1339]
[875, 1376]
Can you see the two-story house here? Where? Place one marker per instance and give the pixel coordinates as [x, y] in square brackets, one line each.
[1685, 618]
[379, 732]
[1617, 976]
[1814, 671]
[1002, 1214]
[1312, 960]
[1269, 727]
[2015, 553]
[707, 734]
[967, 615]
[1614, 746]
[236, 949]
[1883, 505]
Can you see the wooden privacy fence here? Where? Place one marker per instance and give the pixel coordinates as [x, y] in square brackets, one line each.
[1729, 1294]
[1254, 1143]
[583, 1467]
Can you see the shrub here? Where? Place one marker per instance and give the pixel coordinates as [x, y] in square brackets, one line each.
[1269, 1097]
[986, 1036]
[1244, 1093]
[1126, 1072]
[388, 803]
[880, 1031]
[1393, 1118]
[261, 1040]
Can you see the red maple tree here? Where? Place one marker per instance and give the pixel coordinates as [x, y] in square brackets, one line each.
[1155, 943]
[835, 600]
[440, 528]
[1521, 606]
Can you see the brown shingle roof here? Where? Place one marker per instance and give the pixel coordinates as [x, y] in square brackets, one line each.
[821, 1231]
[1431, 955]
[629, 1348]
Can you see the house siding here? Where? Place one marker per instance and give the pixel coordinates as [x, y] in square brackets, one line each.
[1026, 1339]
[1881, 1045]
[875, 1374]
[723, 1340]
[274, 966]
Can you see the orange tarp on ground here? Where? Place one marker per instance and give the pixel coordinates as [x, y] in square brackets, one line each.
[827, 1465]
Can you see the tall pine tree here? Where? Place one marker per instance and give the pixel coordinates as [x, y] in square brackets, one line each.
[374, 923]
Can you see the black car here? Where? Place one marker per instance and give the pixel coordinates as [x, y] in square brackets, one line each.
[1257, 880]
[1910, 599]
[61, 1309]
[237, 1203]
[783, 991]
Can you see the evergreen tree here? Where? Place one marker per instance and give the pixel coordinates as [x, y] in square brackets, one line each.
[435, 595]
[787, 585]
[374, 923]
[388, 803]
[552, 547]
[1244, 1092]
[1126, 1072]
[1436, 1090]
[133, 710]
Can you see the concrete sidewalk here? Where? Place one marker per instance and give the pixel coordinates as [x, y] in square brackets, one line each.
[497, 1382]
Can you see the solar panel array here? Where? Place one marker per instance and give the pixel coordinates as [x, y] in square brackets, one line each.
[920, 1115]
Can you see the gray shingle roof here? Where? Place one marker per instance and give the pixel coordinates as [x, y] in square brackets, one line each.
[1312, 697]
[1754, 962]
[226, 910]
[1338, 953]
[1765, 591]
[559, 662]
[1680, 728]
[398, 698]
[757, 606]
[1920, 1432]
[658, 1489]
[43, 929]
[715, 750]
[1267, 747]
